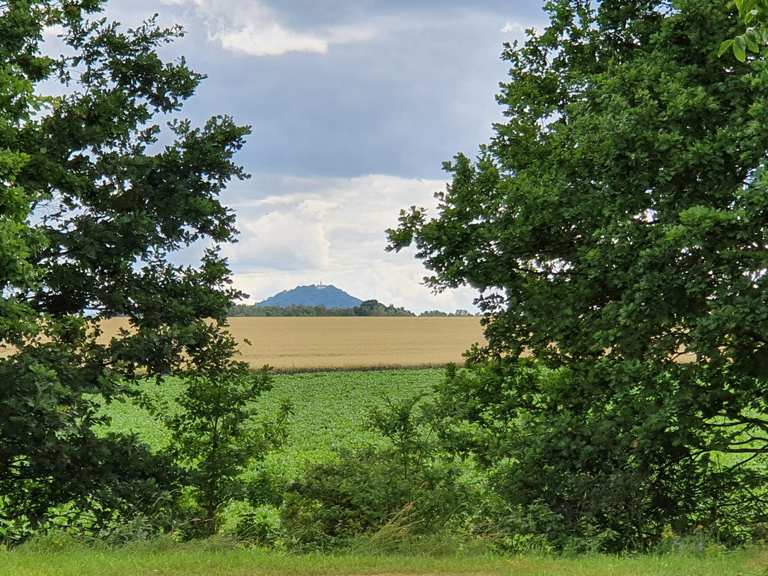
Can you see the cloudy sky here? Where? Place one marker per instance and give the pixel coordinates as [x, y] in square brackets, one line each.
[354, 106]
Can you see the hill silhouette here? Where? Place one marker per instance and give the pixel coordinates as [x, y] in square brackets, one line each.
[313, 295]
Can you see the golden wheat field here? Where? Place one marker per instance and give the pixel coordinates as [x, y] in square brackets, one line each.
[308, 343]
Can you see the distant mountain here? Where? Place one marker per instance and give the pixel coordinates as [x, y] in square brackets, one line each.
[314, 295]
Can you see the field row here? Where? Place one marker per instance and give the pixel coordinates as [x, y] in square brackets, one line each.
[329, 410]
[312, 343]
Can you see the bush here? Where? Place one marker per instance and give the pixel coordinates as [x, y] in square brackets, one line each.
[215, 436]
[259, 526]
[127, 484]
[394, 492]
[365, 490]
[264, 485]
[589, 471]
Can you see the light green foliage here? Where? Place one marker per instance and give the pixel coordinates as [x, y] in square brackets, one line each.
[402, 423]
[369, 492]
[389, 492]
[212, 439]
[330, 414]
[754, 16]
[330, 410]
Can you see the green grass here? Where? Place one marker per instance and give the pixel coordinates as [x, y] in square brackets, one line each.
[201, 560]
[330, 410]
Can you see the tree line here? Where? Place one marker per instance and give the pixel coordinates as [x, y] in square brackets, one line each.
[366, 308]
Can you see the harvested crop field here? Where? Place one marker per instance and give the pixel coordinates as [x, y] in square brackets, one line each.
[369, 342]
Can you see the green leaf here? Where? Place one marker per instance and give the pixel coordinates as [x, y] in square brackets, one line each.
[740, 48]
[751, 41]
[725, 46]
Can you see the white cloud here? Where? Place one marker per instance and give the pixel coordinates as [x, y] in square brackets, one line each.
[54, 31]
[269, 39]
[519, 29]
[250, 27]
[513, 27]
[282, 241]
[331, 230]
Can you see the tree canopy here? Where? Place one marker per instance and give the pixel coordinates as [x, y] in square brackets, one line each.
[95, 196]
[615, 226]
[366, 308]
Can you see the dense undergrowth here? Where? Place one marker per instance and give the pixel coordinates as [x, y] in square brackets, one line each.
[369, 463]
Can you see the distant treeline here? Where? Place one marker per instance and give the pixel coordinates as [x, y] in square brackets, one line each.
[440, 314]
[367, 308]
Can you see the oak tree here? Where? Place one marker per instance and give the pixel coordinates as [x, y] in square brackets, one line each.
[617, 229]
[95, 197]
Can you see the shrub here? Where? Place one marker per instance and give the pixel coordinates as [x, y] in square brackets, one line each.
[365, 490]
[396, 490]
[588, 472]
[215, 437]
[128, 485]
[260, 526]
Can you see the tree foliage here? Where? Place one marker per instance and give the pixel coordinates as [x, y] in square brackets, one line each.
[616, 228]
[214, 436]
[367, 308]
[754, 16]
[376, 308]
[94, 198]
[388, 492]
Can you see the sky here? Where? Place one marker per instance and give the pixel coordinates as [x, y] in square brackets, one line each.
[354, 105]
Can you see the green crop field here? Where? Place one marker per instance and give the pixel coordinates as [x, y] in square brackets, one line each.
[329, 409]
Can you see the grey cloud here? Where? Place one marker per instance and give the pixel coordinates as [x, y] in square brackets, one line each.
[400, 104]
[311, 12]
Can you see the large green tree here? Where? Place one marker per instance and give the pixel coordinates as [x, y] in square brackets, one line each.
[95, 196]
[617, 228]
